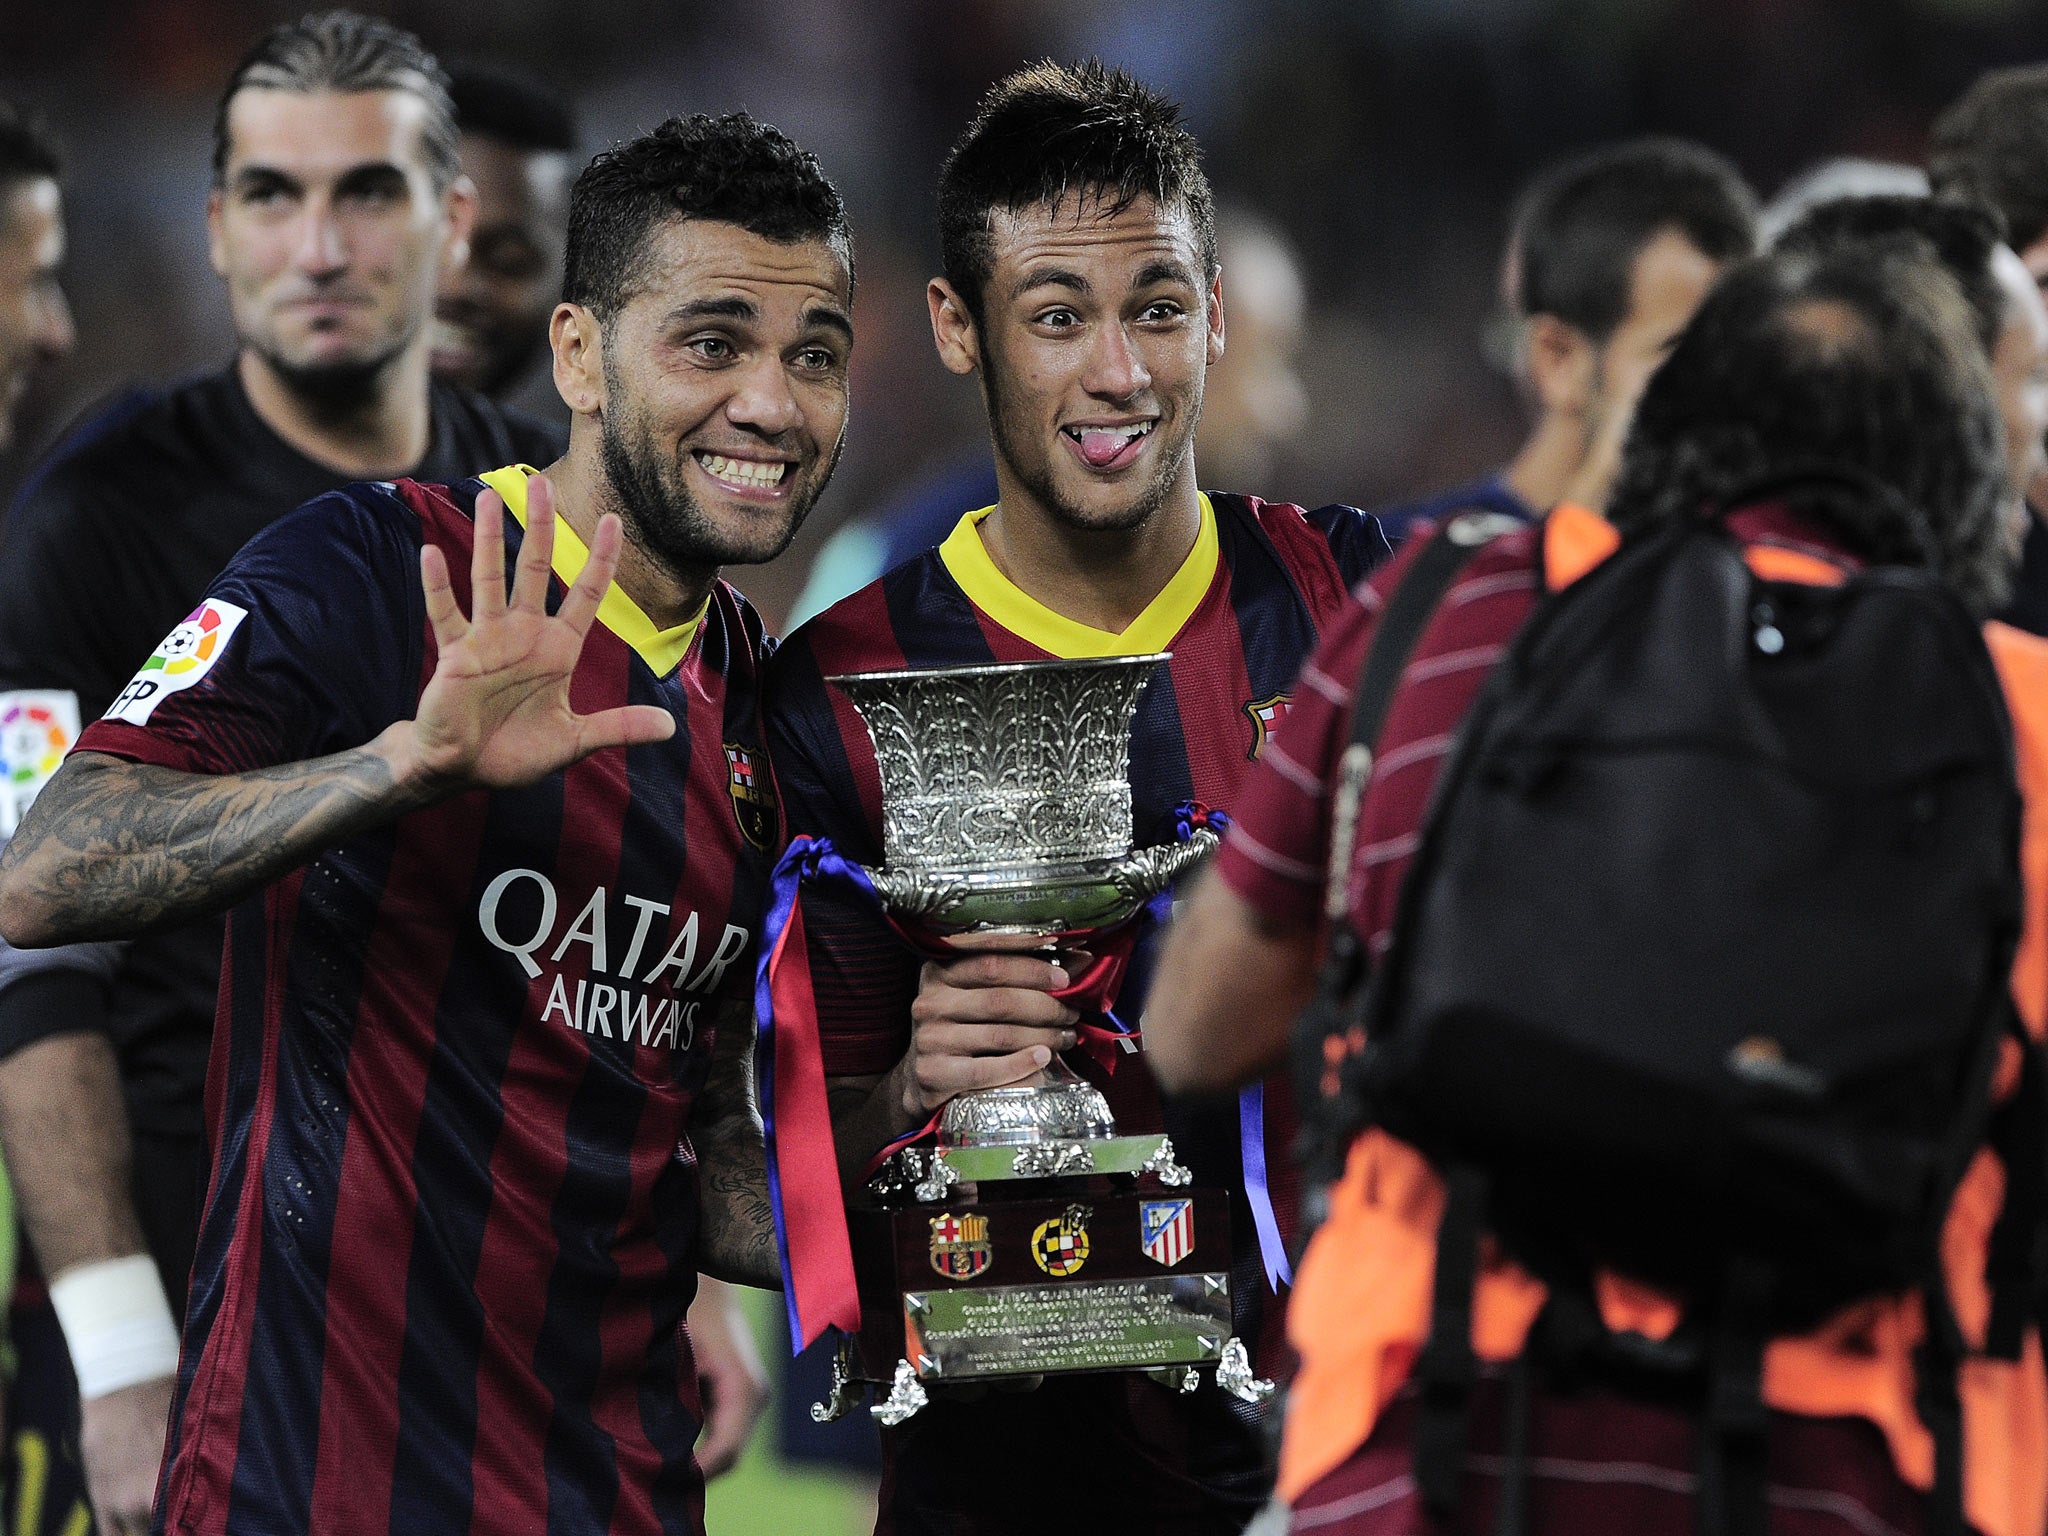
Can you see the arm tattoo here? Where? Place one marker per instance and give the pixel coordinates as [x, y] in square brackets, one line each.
[737, 1233]
[111, 849]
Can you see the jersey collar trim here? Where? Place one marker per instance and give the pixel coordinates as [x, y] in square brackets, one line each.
[967, 561]
[661, 649]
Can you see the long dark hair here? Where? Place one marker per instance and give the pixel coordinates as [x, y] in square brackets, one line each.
[1823, 372]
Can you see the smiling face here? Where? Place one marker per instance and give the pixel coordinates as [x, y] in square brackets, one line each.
[1094, 335]
[721, 390]
[329, 231]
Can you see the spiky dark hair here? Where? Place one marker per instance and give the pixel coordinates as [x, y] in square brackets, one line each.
[1055, 131]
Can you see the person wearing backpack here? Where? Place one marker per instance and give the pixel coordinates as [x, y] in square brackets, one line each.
[1714, 832]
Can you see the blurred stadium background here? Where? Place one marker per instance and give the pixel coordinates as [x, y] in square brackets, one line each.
[1385, 137]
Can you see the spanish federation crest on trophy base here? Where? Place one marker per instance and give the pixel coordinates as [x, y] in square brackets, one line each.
[1006, 807]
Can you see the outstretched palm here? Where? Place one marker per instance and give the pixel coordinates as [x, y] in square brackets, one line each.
[496, 712]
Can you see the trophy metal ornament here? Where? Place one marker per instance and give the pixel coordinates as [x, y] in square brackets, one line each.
[1026, 1241]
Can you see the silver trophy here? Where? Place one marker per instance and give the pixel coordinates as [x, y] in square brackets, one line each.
[1006, 808]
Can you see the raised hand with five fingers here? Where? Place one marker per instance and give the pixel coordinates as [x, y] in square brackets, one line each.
[496, 712]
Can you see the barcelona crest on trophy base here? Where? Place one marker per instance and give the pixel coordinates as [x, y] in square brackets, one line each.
[1032, 1238]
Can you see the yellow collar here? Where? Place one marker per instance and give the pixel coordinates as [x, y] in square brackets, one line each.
[1024, 616]
[661, 649]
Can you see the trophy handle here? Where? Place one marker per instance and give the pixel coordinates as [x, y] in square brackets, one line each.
[915, 893]
[1144, 872]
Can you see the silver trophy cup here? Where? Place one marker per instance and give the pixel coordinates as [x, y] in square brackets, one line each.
[1006, 808]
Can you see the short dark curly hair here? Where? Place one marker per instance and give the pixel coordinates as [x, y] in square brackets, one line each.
[1053, 131]
[1963, 236]
[1851, 381]
[730, 169]
[346, 51]
[1992, 145]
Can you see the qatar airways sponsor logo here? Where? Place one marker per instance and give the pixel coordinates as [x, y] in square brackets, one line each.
[619, 1000]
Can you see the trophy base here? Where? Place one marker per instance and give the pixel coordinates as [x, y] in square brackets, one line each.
[993, 1290]
[927, 1175]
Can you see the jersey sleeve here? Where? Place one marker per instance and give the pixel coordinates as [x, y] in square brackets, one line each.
[1357, 542]
[864, 976]
[1276, 854]
[308, 643]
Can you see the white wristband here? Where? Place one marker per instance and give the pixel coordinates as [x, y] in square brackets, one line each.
[117, 1323]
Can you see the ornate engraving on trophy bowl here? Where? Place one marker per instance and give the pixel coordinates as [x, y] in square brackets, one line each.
[1006, 796]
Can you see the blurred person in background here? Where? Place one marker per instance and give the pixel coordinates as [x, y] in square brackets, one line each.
[1841, 348]
[1609, 255]
[518, 149]
[2011, 316]
[1082, 289]
[1830, 181]
[337, 206]
[1253, 404]
[36, 727]
[35, 320]
[1991, 145]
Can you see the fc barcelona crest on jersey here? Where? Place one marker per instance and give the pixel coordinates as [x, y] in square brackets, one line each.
[753, 798]
[1266, 716]
[1060, 1246]
[960, 1246]
[1166, 1230]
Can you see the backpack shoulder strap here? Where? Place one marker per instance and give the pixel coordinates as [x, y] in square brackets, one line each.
[1407, 614]
[1327, 1036]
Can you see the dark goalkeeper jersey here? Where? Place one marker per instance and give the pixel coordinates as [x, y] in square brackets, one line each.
[450, 1233]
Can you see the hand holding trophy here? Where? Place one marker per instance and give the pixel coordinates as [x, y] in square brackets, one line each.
[1028, 1237]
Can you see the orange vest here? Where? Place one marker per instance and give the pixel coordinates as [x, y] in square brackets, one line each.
[1361, 1304]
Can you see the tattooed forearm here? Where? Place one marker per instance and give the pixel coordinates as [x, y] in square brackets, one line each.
[111, 849]
[737, 1232]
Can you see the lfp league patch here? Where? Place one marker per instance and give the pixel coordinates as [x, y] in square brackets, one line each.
[37, 727]
[1166, 1230]
[186, 655]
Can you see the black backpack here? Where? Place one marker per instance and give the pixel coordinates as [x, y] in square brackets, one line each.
[1699, 973]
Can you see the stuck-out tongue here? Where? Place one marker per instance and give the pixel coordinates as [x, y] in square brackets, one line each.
[1099, 447]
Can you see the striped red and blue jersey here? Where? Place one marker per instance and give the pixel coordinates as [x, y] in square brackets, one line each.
[1239, 617]
[450, 1232]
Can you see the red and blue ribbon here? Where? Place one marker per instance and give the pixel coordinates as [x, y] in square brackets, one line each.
[1190, 817]
[818, 1287]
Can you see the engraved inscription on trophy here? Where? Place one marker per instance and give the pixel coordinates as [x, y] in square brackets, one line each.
[1111, 1324]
